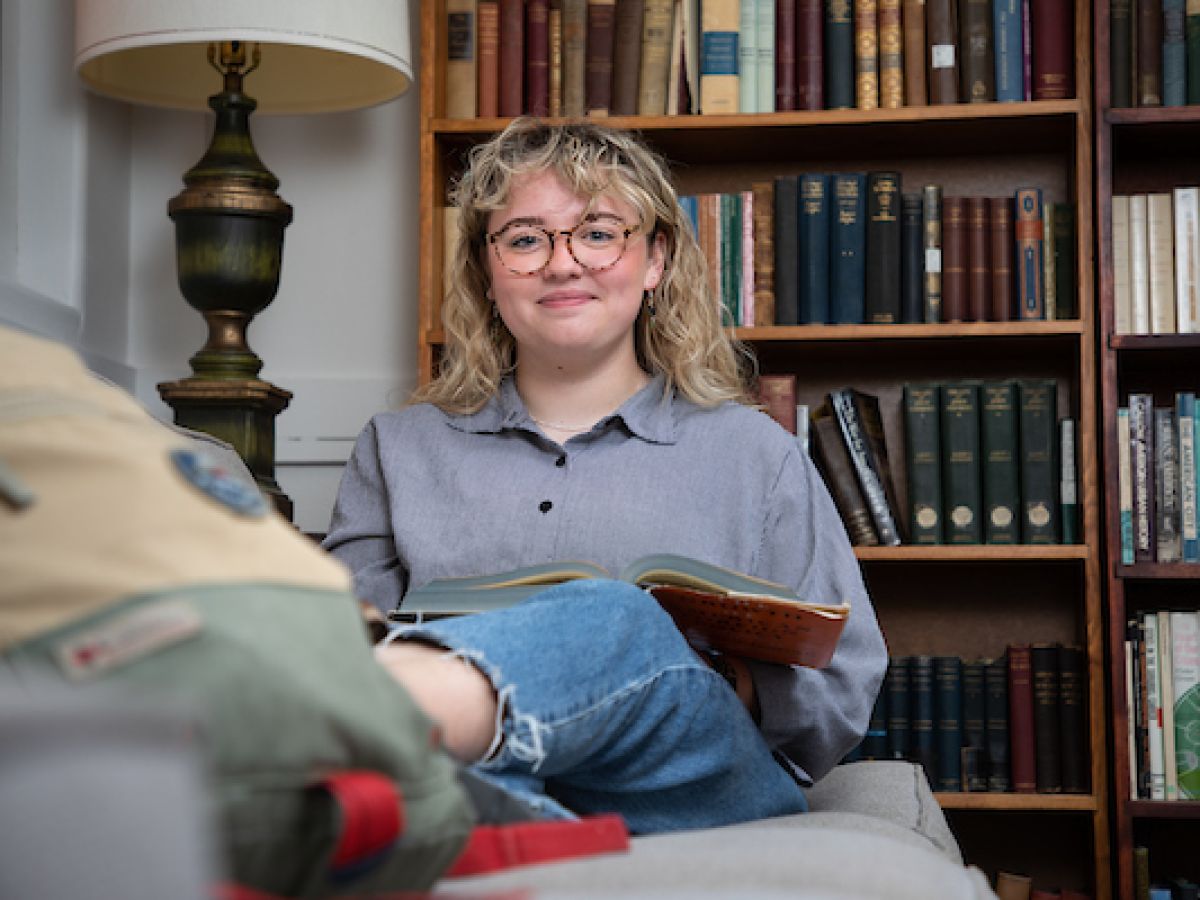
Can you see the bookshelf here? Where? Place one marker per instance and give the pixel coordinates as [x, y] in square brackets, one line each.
[1139, 149]
[968, 601]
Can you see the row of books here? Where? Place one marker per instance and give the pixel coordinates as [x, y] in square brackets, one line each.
[1157, 479]
[1156, 262]
[1009, 724]
[989, 462]
[1162, 693]
[666, 57]
[1154, 53]
[1176, 888]
[852, 248]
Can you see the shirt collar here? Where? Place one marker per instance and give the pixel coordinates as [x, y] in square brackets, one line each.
[649, 414]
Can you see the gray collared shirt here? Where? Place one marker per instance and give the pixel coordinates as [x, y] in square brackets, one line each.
[427, 495]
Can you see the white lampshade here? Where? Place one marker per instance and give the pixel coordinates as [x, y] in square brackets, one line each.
[317, 55]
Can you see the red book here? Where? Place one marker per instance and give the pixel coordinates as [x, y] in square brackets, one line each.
[537, 57]
[810, 54]
[1003, 239]
[954, 259]
[1022, 753]
[598, 67]
[777, 394]
[979, 260]
[512, 57]
[785, 55]
[1053, 57]
[489, 58]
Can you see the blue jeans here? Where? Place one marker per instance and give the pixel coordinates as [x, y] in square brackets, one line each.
[604, 707]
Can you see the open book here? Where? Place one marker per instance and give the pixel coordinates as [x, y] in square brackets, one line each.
[715, 608]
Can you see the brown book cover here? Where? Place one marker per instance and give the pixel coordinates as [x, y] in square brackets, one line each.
[554, 27]
[1148, 41]
[1013, 886]
[979, 264]
[627, 56]
[891, 55]
[1053, 53]
[785, 55]
[574, 62]
[512, 57]
[714, 607]
[598, 54]
[764, 252]
[866, 54]
[978, 62]
[461, 59]
[954, 259]
[489, 59]
[537, 57]
[658, 28]
[708, 232]
[836, 469]
[941, 35]
[777, 394]
[1003, 239]
[913, 16]
[810, 54]
[1022, 754]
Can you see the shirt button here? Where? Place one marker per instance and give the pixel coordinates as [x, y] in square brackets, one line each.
[545, 506]
[561, 461]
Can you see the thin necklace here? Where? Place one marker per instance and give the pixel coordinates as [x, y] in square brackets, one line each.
[557, 426]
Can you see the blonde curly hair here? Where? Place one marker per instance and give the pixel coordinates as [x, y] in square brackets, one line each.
[684, 340]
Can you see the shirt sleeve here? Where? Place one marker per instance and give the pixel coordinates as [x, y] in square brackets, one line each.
[815, 716]
[360, 532]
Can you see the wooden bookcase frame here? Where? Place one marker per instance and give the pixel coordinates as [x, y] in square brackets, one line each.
[994, 595]
[1138, 149]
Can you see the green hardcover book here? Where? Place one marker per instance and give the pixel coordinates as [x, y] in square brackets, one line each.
[948, 724]
[895, 682]
[922, 737]
[1191, 32]
[1064, 261]
[995, 702]
[731, 257]
[922, 437]
[962, 492]
[974, 712]
[1038, 430]
[1001, 476]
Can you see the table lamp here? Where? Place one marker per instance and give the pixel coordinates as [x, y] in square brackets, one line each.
[293, 57]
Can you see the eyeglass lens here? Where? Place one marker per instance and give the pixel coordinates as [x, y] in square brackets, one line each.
[526, 249]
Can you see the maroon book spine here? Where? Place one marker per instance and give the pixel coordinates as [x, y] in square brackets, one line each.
[627, 56]
[785, 55]
[597, 78]
[537, 57]
[979, 266]
[1022, 755]
[1003, 238]
[512, 57]
[954, 259]
[1052, 27]
[489, 59]
[810, 54]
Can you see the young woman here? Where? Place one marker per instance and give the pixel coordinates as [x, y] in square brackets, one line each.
[589, 405]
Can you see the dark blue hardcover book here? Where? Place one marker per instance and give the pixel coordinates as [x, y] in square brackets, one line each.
[922, 738]
[895, 682]
[948, 701]
[813, 228]
[883, 248]
[875, 742]
[1174, 54]
[995, 700]
[848, 249]
[974, 720]
[787, 245]
[912, 259]
[691, 209]
[1009, 55]
[839, 54]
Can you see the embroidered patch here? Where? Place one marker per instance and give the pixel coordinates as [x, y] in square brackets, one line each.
[211, 478]
[127, 638]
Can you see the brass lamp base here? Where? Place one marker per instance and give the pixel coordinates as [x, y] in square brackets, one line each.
[240, 412]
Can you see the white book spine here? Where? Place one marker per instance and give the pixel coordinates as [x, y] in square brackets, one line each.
[1154, 731]
[748, 57]
[1122, 296]
[1161, 241]
[746, 307]
[1187, 259]
[1185, 665]
[1130, 725]
[1166, 689]
[766, 55]
[1139, 264]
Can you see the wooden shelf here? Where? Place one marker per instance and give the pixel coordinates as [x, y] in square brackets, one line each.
[1017, 802]
[1154, 342]
[1164, 809]
[977, 553]
[1159, 571]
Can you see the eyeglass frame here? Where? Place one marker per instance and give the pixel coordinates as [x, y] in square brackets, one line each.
[551, 235]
